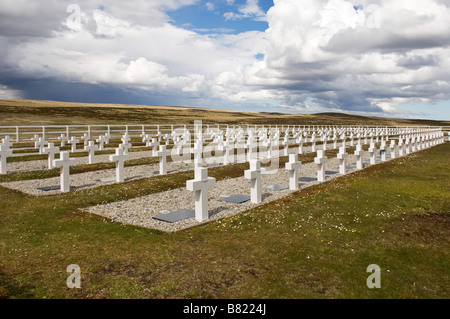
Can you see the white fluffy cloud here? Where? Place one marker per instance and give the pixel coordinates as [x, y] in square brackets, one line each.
[334, 55]
[316, 55]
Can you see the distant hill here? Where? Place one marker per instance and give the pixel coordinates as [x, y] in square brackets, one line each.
[37, 112]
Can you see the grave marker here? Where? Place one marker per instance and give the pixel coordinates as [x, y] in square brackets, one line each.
[254, 175]
[5, 152]
[91, 148]
[293, 167]
[320, 160]
[64, 162]
[119, 158]
[50, 150]
[200, 186]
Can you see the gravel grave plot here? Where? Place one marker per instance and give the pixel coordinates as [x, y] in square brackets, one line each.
[93, 179]
[26, 166]
[43, 164]
[140, 211]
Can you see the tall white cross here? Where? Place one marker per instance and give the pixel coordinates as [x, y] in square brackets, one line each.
[342, 157]
[200, 186]
[64, 162]
[91, 148]
[198, 153]
[119, 158]
[5, 152]
[359, 152]
[51, 149]
[320, 160]
[393, 149]
[254, 175]
[372, 153]
[293, 167]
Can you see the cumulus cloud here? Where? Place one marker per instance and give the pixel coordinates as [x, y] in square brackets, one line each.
[334, 55]
[316, 55]
[250, 9]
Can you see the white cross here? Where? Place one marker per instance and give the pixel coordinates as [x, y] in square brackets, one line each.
[154, 144]
[320, 160]
[286, 143]
[383, 150]
[91, 148]
[254, 175]
[64, 162]
[35, 139]
[119, 158]
[40, 144]
[63, 139]
[393, 149]
[228, 156]
[85, 139]
[401, 147]
[50, 150]
[6, 142]
[372, 153]
[342, 156]
[5, 152]
[200, 185]
[313, 141]
[125, 138]
[324, 143]
[300, 144]
[101, 141]
[73, 141]
[293, 166]
[107, 137]
[198, 152]
[359, 152]
[125, 147]
[146, 139]
[162, 154]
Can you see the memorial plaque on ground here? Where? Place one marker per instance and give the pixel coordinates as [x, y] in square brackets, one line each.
[176, 215]
[237, 199]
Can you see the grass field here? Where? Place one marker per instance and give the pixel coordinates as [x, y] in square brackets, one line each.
[314, 244]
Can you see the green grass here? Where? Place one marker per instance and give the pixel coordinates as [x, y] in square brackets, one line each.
[314, 244]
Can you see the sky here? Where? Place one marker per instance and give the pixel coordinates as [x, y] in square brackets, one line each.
[388, 58]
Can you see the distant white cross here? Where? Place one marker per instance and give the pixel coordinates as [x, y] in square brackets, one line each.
[63, 140]
[73, 141]
[51, 149]
[91, 148]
